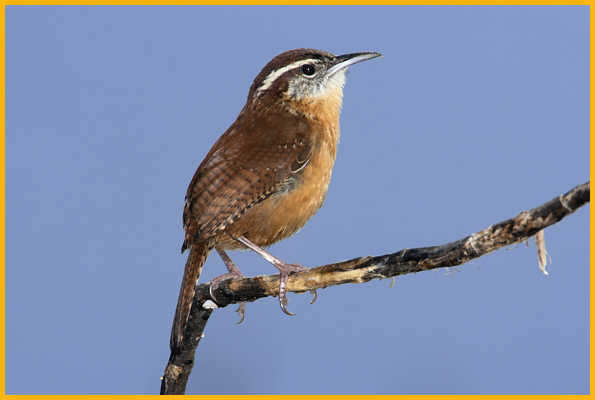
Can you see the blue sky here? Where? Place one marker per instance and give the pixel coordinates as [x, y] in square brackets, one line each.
[472, 115]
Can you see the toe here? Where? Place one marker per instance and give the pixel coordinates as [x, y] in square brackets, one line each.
[283, 293]
[242, 312]
[283, 303]
[212, 288]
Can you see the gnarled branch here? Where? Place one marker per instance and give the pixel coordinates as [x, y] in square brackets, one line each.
[363, 269]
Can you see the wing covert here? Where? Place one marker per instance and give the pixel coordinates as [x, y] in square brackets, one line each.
[238, 174]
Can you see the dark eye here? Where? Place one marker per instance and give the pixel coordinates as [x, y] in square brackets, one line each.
[308, 69]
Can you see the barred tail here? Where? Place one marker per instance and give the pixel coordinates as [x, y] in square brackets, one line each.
[194, 263]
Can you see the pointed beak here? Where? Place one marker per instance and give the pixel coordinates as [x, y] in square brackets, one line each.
[344, 61]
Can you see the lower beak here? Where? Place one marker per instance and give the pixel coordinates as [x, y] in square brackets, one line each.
[346, 60]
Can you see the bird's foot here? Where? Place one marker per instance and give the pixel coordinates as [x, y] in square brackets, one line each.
[215, 282]
[234, 273]
[286, 270]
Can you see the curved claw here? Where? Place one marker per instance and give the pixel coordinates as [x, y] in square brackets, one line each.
[212, 288]
[242, 312]
[286, 311]
[314, 296]
[283, 294]
[215, 284]
[283, 304]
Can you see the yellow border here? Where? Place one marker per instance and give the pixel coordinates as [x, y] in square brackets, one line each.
[592, 279]
[308, 397]
[3, 197]
[302, 2]
[248, 2]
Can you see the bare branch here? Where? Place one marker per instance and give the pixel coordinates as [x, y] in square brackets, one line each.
[363, 269]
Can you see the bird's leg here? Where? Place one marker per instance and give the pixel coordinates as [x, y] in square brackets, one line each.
[234, 272]
[284, 268]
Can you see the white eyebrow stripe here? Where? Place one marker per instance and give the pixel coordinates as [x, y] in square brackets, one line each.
[272, 77]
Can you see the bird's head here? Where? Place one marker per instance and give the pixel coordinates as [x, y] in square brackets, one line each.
[303, 76]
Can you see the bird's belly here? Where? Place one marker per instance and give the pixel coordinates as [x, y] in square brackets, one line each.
[283, 214]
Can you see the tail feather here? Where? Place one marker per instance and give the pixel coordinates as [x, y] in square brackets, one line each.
[194, 263]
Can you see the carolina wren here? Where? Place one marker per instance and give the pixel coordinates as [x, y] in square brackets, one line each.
[269, 172]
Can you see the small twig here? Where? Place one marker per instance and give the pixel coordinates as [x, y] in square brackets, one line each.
[363, 269]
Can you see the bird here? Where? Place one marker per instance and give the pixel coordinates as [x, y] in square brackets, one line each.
[268, 173]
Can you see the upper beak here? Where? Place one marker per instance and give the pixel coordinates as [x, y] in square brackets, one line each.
[344, 61]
